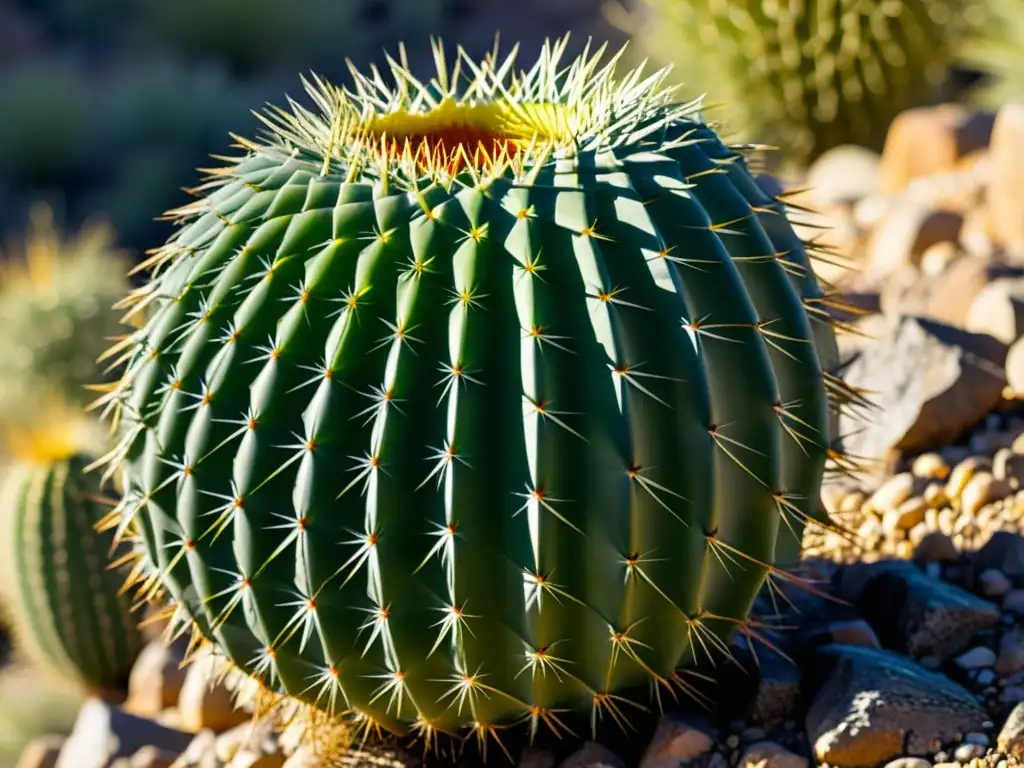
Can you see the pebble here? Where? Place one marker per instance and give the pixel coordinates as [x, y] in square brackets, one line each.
[1013, 601]
[893, 492]
[967, 752]
[935, 547]
[994, 583]
[1011, 653]
[985, 677]
[908, 762]
[676, 740]
[768, 754]
[930, 465]
[977, 738]
[978, 657]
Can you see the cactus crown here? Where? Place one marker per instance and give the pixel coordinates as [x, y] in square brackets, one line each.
[467, 402]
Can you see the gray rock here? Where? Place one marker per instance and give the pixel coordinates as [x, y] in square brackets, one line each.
[677, 740]
[931, 383]
[919, 615]
[1011, 736]
[875, 706]
[978, 657]
[1004, 552]
[778, 689]
[592, 755]
[103, 733]
[854, 632]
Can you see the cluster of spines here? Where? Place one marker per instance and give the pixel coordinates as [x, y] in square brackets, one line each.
[194, 277]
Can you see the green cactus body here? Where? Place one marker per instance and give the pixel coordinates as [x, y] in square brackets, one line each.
[808, 75]
[56, 316]
[450, 453]
[58, 593]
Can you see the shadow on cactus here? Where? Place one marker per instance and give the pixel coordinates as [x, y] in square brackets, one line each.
[59, 593]
[477, 402]
[56, 313]
[807, 76]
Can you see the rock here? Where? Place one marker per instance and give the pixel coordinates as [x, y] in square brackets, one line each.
[843, 174]
[41, 752]
[768, 754]
[994, 583]
[204, 701]
[935, 547]
[854, 632]
[1011, 652]
[1011, 736]
[931, 466]
[978, 657]
[104, 733]
[967, 752]
[1015, 369]
[979, 491]
[875, 706]
[1013, 601]
[593, 755]
[908, 762]
[1005, 195]
[677, 741]
[998, 310]
[1004, 552]
[916, 614]
[906, 515]
[938, 256]
[156, 679]
[930, 140]
[778, 689]
[147, 757]
[931, 381]
[949, 297]
[893, 492]
[908, 230]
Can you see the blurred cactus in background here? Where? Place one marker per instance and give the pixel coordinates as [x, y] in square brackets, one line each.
[807, 75]
[59, 595]
[56, 313]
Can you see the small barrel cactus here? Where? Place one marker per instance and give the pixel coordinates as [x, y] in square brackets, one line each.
[59, 594]
[470, 402]
[808, 75]
[56, 314]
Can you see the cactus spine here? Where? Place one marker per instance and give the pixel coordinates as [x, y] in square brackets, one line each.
[489, 404]
[58, 593]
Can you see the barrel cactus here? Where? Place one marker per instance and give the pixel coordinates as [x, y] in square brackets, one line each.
[58, 592]
[467, 402]
[808, 75]
[56, 314]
